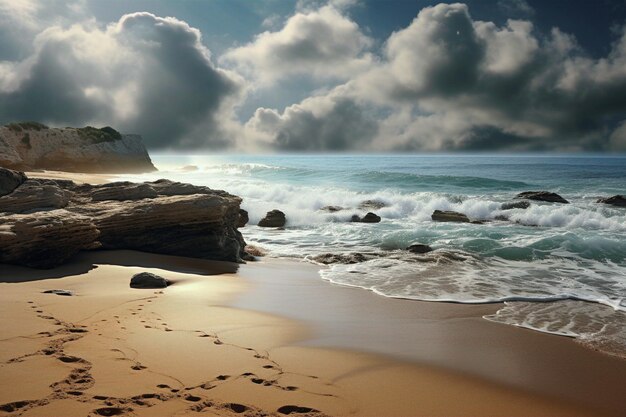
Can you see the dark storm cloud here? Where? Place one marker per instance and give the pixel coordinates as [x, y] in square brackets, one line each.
[144, 74]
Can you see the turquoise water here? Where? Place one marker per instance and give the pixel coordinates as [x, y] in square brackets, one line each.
[547, 252]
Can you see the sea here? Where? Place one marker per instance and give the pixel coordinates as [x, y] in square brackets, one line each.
[557, 268]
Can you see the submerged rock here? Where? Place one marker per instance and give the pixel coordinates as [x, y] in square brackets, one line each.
[331, 209]
[274, 218]
[243, 218]
[449, 216]
[355, 218]
[419, 248]
[340, 258]
[148, 280]
[616, 200]
[515, 205]
[542, 196]
[370, 218]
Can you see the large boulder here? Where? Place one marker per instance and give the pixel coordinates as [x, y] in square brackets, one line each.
[419, 248]
[370, 218]
[515, 205]
[274, 218]
[616, 200]
[542, 196]
[10, 180]
[449, 216]
[148, 280]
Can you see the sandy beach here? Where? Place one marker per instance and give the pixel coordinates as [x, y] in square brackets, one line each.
[203, 346]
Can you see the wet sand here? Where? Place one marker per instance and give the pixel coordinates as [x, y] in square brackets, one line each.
[210, 345]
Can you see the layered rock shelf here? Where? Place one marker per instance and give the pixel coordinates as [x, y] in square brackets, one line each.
[46, 222]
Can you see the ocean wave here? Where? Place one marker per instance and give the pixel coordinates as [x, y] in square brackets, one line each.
[406, 180]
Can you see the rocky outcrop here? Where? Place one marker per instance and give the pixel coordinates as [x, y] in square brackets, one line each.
[148, 280]
[372, 204]
[29, 146]
[340, 258]
[542, 196]
[274, 218]
[515, 205]
[616, 200]
[449, 216]
[61, 218]
[419, 248]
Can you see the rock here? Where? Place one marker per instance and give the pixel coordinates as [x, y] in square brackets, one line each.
[10, 180]
[515, 205]
[44, 239]
[65, 293]
[255, 250]
[370, 218]
[355, 218]
[274, 218]
[33, 195]
[502, 218]
[542, 196]
[616, 200]
[29, 145]
[480, 221]
[122, 191]
[419, 248]
[342, 258]
[202, 223]
[372, 204]
[148, 280]
[449, 216]
[331, 209]
[243, 218]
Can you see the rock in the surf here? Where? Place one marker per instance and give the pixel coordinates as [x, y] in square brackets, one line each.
[542, 196]
[370, 218]
[449, 216]
[515, 205]
[372, 204]
[274, 218]
[616, 200]
[148, 280]
[355, 218]
[331, 209]
[339, 258]
[419, 248]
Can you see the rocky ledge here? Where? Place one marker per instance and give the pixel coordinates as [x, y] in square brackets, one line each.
[45, 222]
[30, 146]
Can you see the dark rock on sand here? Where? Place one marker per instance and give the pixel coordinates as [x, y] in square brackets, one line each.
[449, 216]
[10, 180]
[66, 293]
[515, 205]
[274, 218]
[370, 218]
[341, 258]
[372, 204]
[243, 218]
[63, 218]
[419, 248]
[542, 196]
[147, 280]
[616, 200]
[331, 209]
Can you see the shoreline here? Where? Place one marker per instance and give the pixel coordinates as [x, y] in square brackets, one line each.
[273, 359]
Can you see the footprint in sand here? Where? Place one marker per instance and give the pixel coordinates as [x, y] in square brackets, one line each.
[223, 377]
[112, 411]
[237, 408]
[192, 398]
[138, 367]
[296, 409]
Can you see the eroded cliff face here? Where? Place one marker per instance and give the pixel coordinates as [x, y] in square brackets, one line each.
[43, 223]
[28, 146]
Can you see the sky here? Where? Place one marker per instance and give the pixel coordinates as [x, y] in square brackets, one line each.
[323, 75]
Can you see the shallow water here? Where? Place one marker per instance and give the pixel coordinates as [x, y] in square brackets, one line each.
[547, 252]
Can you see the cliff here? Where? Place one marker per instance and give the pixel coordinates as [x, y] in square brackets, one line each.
[29, 146]
[43, 223]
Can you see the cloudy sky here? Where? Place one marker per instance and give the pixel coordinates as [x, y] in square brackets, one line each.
[323, 75]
